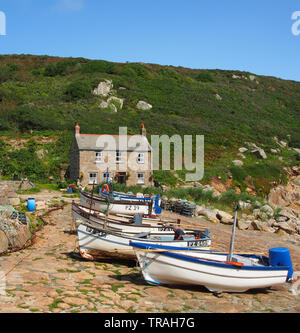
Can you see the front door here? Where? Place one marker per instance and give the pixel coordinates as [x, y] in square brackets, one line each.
[122, 178]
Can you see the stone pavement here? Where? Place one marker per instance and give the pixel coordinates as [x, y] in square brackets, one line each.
[51, 277]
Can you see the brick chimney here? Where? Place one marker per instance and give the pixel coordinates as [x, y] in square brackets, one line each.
[143, 130]
[77, 129]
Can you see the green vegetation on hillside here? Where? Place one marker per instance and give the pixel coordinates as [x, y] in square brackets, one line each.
[44, 96]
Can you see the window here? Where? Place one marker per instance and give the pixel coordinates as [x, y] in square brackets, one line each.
[141, 158]
[119, 157]
[140, 178]
[106, 176]
[93, 178]
[98, 156]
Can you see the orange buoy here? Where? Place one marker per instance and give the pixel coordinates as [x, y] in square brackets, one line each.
[105, 186]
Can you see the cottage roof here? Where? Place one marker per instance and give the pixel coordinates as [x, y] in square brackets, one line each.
[112, 142]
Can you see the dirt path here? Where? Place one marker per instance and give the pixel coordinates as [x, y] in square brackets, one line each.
[49, 277]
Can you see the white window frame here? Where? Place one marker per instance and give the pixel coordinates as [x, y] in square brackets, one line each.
[93, 180]
[140, 180]
[141, 158]
[119, 157]
[104, 176]
[98, 156]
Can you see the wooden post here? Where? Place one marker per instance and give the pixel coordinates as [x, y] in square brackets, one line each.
[150, 205]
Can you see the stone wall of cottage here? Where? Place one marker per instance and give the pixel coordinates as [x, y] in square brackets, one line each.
[88, 164]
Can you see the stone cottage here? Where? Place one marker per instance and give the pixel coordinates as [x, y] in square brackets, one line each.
[125, 159]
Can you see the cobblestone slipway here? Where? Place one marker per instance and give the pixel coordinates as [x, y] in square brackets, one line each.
[49, 277]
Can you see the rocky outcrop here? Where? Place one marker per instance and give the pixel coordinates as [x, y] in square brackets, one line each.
[238, 163]
[286, 196]
[104, 88]
[259, 153]
[113, 103]
[142, 105]
[255, 150]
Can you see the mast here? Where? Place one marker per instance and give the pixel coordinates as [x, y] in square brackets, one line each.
[92, 197]
[229, 258]
[108, 200]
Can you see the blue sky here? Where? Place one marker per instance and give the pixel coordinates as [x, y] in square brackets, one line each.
[247, 35]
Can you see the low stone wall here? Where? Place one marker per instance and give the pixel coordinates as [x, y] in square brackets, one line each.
[8, 188]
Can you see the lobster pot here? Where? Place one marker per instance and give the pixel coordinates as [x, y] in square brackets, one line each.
[280, 256]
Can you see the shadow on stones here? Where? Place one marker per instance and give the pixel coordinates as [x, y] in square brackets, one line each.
[264, 291]
[135, 278]
[104, 260]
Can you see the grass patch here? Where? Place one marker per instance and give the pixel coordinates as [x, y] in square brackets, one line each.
[115, 287]
[34, 310]
[55, 303]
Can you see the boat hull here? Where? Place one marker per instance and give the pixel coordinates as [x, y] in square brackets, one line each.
[117, 206]
[98, 243]
[181, 269]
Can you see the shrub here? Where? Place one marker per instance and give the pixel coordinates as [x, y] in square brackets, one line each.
[229, 198]
[98, 66]
[6, 73]
[134, 70]
[59, 68]
[295, 140]
[165, 177]
[78, 89]
[205, 77]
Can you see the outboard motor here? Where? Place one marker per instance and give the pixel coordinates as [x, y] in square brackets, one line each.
[280, 256]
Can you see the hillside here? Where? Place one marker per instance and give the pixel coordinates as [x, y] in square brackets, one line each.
[43, 97]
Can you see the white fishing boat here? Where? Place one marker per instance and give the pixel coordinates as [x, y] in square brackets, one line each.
[164, 265]
[124, 206]
[218, 272]
[84, 215]
[97, 242]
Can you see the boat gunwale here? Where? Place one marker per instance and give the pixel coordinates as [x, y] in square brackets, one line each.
[115, 233]
[97, 198]
[122, 196]
[102, 218]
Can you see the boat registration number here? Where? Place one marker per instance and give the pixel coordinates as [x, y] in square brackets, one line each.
[90, 202]
[167, 229]
[132, 207]
[199, 243]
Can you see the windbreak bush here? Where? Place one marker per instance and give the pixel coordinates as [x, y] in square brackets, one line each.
[6, 73]
[78, 89]
[98, 66]
[59, 68]
[205, 77]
